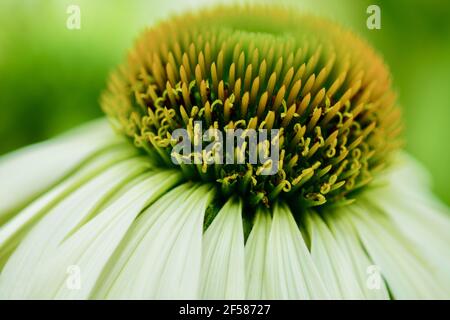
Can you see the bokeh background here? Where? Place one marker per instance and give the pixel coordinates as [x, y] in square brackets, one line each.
[51, 77]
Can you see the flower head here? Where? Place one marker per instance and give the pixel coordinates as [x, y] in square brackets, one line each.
[230, 68]
[89, 215]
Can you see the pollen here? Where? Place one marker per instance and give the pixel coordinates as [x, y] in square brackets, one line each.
[261, 67]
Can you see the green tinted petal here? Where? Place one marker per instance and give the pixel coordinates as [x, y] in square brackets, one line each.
[30, 171]
[255, 255]
[161, 255]
[363, 269]
[408, 274]
[34, 262]
[13, 231]
[291, 273]
[223, 255]
[333, 265]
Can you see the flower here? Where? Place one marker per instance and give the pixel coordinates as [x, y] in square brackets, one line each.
[347, 215]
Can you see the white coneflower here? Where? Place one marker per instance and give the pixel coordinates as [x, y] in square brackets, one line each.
[89, 215]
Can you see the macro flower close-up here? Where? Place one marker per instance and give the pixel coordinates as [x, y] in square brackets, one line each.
[245, 152]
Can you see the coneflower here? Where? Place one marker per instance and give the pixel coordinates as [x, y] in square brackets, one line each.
[346, 215]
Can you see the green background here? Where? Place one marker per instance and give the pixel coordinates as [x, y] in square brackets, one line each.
[51, 77]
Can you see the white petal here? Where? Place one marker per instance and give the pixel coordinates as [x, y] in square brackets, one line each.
[161, 255]
[18, 278]
[30, 171]
[334, 266]
[421, 218]
[291, 273]
[222, 275]
[363, 269]
[416, 214]
[407, 273]
[407, 171]
[426, 227]
[255, 255]
[133, 238]
[12, 232]
[91, 247]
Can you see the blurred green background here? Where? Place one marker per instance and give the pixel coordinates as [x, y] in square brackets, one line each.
[51, 77]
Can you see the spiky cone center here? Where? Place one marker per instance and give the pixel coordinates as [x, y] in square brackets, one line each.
[326, 91]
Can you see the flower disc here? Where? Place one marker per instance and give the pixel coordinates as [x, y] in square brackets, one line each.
[324, 89]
